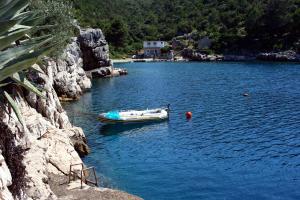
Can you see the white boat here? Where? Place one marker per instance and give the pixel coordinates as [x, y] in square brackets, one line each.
[134, 116]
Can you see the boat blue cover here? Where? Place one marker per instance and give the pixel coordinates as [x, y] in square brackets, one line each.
[113, 115]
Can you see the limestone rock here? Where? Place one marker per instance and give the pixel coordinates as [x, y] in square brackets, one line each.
[50, 142]
[199, 56]
[5, 180]
[79, 141]
[237, 58]
[279, 56]
[94, 48]
[73, 191]
[102, 72]
[69, 77]
[46, 137]
[60, 150]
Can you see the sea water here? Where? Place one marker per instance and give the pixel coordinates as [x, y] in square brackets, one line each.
[235, 146]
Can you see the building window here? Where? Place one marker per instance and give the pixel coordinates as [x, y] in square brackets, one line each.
[154, 43]
[149, 43]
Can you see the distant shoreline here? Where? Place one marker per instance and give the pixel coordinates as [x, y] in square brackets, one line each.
[123, 61]
[194, 56]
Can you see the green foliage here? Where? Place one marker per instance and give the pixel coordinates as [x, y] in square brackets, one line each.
[57, 15]
[18, 22]
[117, 33]
[166, 49]
[253, 25]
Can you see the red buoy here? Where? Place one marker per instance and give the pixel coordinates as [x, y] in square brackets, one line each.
[188, 115]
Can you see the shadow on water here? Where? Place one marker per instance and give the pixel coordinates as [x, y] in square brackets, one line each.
[114, 129]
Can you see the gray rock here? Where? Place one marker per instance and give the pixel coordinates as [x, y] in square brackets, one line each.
[279, 56]
[194, 55]
[239, 58]
[52, 143]
[5, 180]
[67, 75]
[94, 48]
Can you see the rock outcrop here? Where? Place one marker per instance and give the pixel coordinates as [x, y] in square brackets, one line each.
[94, 48]
[47, 143]
[69, 77]
[73, 191]
[237, 58]
[193, 55]
[47, 136]
[290, 56]
[86, 57]
[50, 142]
[5, 180]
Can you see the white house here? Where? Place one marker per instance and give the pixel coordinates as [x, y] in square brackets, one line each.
[153, 48]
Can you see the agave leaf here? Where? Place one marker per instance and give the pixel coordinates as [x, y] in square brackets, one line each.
[3, 84]
[22, 80]
[37, 69]
[14, 107]
[13, 53]
[6, 6]
[23, 62]
[12, 8]
[7, 38]
[32, 20]
[25, 16]
[7, 24]
[18, 8]
[44, 27]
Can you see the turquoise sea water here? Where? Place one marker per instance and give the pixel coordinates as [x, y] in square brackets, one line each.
[234, 147]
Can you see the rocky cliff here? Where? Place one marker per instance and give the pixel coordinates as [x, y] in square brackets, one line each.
[47, 138]
[70, 79]
[95, 50]
[45, 147]
[95, 54]
[86, 57]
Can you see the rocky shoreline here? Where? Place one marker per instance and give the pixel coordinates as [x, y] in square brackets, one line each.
[34, 156]
[192, 55]
[285, 56]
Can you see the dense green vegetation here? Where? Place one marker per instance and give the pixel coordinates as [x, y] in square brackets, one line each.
[234, 25]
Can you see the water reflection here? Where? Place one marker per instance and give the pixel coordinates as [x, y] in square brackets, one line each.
[114, 129]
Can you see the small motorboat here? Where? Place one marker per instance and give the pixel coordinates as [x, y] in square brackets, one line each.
[135, 116]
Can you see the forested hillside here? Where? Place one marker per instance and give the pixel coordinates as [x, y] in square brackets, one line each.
[252, 25]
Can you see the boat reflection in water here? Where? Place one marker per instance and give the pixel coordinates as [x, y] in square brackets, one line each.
[114, 129]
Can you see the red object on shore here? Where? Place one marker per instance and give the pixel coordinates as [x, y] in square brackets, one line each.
[188, 115]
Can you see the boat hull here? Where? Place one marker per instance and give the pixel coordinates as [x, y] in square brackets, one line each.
[131, 117]
[113, 121]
